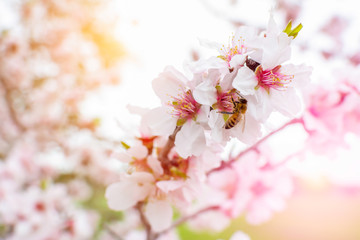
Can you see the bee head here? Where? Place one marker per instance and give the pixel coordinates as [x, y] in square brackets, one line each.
[243, 101]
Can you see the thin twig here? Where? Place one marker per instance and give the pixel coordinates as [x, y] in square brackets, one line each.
[163, 155]
[255, 146]
[149, 233]
[186, 218]
[113, 233]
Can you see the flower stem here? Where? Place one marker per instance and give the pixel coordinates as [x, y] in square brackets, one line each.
[149, 233]
[163, 155]
[186, 218]
[256, 145]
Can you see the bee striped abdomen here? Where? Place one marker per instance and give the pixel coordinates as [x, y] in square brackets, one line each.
[232, 121]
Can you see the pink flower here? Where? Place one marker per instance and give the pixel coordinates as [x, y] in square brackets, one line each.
[218, 94]
[254, 189]
[274, 86]
[179, 109]
[233, 55]
[130, 190]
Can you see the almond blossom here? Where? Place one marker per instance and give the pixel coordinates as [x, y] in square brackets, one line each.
[179, 109]
[274, 86]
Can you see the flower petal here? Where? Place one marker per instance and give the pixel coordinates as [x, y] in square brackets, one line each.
[125, 194]
[245, 81]
[287, 103]
[170, 185]
[160, 121]
[169, 83]
[159, 214]
[155, 165]
[205, 93]
[190, 140]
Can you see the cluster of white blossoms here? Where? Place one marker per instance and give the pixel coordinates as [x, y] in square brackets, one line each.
[176, 159]
[248, 80]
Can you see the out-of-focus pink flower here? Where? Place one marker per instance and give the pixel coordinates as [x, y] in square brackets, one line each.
[255, 190]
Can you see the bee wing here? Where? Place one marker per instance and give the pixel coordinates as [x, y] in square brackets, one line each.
[242, 122]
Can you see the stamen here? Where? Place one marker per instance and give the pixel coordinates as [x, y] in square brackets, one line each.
[184, 106]
[272, 79]
[234, 48]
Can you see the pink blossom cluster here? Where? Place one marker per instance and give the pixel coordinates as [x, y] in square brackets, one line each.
[332, 112]
[59, 176]
[177, 162]
[53, 164]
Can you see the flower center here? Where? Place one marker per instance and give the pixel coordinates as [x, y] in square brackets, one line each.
[272, 78]
[225, 100]
[233, 48]
[185, 106]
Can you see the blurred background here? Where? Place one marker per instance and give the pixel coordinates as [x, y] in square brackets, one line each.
[70, 69]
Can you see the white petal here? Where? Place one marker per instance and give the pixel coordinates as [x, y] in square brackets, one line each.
[160, 121]
[171, 185]
[261, 107]
[124, 157]
[209, 44]
[203, 65]
[159, 214]
[252, 130]
[239, 236]
[237, 60]
[246, 32]
[287, 102]
[155, 165]
[205, 93]
[190, 140]
[138, 152]
[276, 51]
[272, 28]
[217, 132]
[301, 74]
[203, 115]
[125, 194]
[226, 83]
[245, 81]
[169, 83]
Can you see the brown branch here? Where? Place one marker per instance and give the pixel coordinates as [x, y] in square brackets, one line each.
[146, 224]
[186, 218]
[163, 155]
[256, 145]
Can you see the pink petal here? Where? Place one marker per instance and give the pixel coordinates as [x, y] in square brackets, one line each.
[205, 93]
[159, 214]
[155, 165]
[169, 83]
[171, 185]
[190, 140]
[160, 121]
[125, 194]
[245, 81]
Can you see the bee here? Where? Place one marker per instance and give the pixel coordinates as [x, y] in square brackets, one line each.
[238, 113]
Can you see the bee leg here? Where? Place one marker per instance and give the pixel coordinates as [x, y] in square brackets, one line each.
[226, 112]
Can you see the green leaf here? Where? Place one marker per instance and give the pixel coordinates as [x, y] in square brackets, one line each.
[292, 32]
